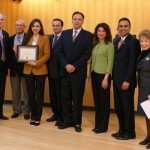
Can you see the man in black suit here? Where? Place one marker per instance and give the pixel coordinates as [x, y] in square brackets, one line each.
[127, 49]
[4, 60]
[53, 66]
[75, 50]
[17, 78]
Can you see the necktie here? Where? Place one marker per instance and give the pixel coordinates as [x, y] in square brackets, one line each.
[2, 44]
[55, 40]
[18, 40]
[75, 35]
[120, 43]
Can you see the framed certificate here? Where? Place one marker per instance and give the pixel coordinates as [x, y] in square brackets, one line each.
[27, 53]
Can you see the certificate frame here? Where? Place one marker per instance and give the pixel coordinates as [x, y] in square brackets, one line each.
[26, 53]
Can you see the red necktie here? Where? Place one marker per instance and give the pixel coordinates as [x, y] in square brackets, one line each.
[120, 43]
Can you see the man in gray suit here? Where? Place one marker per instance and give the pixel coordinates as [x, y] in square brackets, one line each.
[17, 78]
[53, 73]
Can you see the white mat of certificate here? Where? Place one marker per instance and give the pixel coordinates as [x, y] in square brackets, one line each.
[146, 107]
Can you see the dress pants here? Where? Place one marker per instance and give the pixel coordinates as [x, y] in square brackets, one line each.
[55, 98]
[16, 83]
[101, 101]
[72, 90]
[35, 87]
[2, 85]
[124, 106]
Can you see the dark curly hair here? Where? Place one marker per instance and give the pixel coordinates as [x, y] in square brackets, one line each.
[108, 37]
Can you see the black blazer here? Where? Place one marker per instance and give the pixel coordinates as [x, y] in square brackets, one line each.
[125, 59]
[143, 68]
[15, 67]
[53, 63]
[6, 48]
[76, 53]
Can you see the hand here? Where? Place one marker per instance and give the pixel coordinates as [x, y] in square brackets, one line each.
[70, 68]
[32, 63]
[104, 83]
[15, 49]
[125, 86]
[148, 97]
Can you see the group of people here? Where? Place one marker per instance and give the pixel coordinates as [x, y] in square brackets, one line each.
[64, 56]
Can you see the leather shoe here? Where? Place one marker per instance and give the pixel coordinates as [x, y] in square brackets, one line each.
[99, 131]
[78, 128]
[125, 137]
[65, 125]
[51, 119]
[26, 117]
[117, 134]
[145, 141]
[32, 122]
[58, 123]
[148, 146]
[36, 123]
[14, 115]
[3, 117]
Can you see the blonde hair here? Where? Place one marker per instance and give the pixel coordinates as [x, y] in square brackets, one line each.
[145, 33]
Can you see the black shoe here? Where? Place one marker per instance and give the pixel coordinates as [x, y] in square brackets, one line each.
[99, 131]
[3, 117]
[78, 128]
[65, 125]
[125, 137]
[26, 117]
[36, 123]
[117, 134]
[58, 123]
[51, 119]
[148, 146]
[145, 141]
[14, 115]
[32, 122]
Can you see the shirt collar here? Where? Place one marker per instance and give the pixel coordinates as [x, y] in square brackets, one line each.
[21, 35]
[78, 31]
[58, 35]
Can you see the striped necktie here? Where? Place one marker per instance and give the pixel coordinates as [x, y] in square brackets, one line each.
[75, 35]
[55, 40]
[2, 44]
[18, 40]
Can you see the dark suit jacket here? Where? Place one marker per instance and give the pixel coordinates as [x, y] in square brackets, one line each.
[143, 68]
[53, 63]
[76, 53]
[15, 67]
[6, 48]
[124, 69]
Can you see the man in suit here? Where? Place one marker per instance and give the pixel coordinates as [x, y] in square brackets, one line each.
[53, 66]
[4, 59]
[127, 49]
[17, 78]
[75, 50]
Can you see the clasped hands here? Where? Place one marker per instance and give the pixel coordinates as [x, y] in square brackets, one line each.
[70, 68]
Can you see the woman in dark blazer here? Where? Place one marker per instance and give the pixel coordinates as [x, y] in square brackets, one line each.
[143, 69]
[101, 69]
[35, 72]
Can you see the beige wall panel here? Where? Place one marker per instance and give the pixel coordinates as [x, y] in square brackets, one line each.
[45, 10]
[11, 12]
